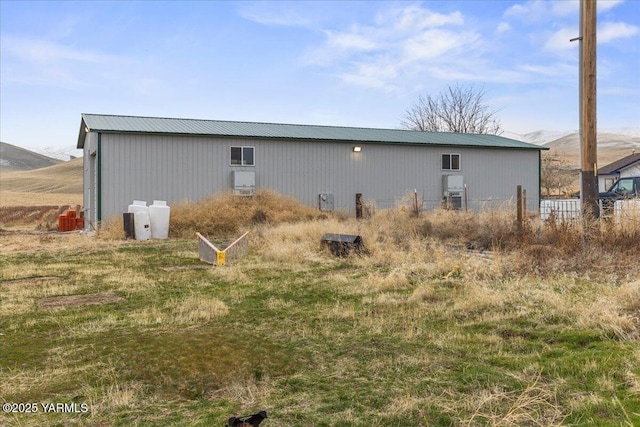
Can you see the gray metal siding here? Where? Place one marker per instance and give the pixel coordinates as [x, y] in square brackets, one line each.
[177, 168]
[89, 176]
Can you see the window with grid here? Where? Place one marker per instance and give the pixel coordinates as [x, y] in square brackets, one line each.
[451, 162]
[242, 156]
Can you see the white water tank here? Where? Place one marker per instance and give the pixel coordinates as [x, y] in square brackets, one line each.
[138, 206]
[159, 213]
[142, 225]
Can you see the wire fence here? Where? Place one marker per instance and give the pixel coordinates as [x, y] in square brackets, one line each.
[559, 210]
[453, 203]
[621, 212]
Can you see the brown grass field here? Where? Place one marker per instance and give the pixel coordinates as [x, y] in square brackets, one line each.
[34, 199]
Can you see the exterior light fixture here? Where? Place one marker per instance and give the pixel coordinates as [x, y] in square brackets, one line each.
[357, 149]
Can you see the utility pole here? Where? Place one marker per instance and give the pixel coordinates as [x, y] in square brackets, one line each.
[588, 127]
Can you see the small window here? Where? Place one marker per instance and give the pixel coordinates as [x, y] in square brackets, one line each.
[451, 162]
[242, 156]
[608, 183]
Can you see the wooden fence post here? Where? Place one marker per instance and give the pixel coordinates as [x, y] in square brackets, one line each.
[519, 208]
[358, 205]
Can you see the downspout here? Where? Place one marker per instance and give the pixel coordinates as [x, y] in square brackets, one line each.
[99, 180]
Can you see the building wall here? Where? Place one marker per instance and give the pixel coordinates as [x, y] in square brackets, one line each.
[633, 170]
[177, 168]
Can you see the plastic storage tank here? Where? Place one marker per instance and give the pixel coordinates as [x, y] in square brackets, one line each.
[142, 225]
[141, 220]
[138, 206]
[159, 213]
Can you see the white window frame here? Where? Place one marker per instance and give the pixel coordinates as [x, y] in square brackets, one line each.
[450, 157]
[242, 160]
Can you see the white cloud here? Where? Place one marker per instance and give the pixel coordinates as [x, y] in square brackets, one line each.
[379, 74]
[397, 43]
[543, 11]
[503, 27]
[532, 11]
[435, 43]
[607, 32]
[350, 41]
[608, 4]
[554, 70]
[46, 63]
[44, 51]
[415, 18]
[559, 40]
[610, 31]
[263, 14]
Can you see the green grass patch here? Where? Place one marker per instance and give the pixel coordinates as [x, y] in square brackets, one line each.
[320, 343]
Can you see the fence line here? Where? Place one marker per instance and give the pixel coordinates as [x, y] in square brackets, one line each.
[562, 210]
[570, 210]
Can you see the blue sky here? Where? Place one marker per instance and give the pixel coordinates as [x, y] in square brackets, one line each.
[332, 63]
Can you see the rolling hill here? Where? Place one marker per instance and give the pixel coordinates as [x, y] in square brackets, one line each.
[13, 158]
[52, 186]
[62, 178]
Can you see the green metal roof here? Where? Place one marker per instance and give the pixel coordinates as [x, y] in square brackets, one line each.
[217, 128]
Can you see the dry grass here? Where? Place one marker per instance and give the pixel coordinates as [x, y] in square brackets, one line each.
[536, 404]
[225, 214]
[198, 309]
[447, 319]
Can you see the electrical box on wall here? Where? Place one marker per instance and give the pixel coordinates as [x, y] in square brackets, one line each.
[325, 202]
[244, 183]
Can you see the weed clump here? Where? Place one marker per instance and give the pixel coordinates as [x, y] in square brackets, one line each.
[225, 214]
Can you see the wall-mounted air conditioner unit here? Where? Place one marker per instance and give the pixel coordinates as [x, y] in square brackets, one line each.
[453, 191]
[243, 183]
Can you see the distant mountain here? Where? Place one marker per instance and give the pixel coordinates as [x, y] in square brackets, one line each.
[612, 145]
[539, 137]
[61, 153]
[14, 158]
[544, 137]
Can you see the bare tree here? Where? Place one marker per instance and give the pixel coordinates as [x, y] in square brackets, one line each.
[556, 174]
[460, 109]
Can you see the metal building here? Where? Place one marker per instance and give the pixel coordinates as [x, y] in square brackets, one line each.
[145, 158]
